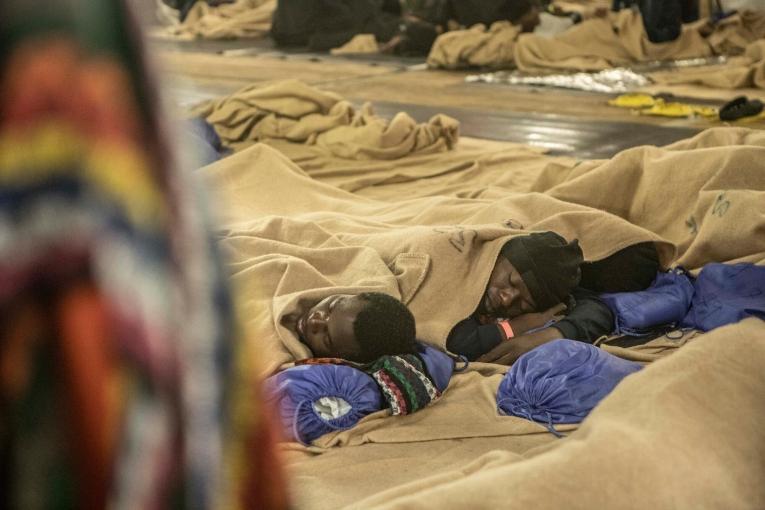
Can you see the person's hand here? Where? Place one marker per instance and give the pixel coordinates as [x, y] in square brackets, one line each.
[505, 349]
[529, 321]
[510, 350]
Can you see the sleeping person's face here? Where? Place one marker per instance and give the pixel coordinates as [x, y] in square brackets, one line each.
[327, 328]
[506, 295]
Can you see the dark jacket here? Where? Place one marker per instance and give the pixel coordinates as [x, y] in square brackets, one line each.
[324, 24]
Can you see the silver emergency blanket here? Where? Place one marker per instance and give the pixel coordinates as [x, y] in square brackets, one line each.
[610, 81]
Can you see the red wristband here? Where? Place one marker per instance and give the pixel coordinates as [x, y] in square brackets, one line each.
[506, 329]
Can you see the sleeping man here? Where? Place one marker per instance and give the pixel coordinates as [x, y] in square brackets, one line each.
[537, 278]
[358, 328]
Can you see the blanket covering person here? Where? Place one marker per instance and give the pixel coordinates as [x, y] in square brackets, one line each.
[420, 233]
[593, 45]
[117, 338]
[333, 241]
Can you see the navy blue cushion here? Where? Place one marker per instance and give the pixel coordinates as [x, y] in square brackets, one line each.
[726, 293]
[560, 382]
[297, 393]
[665, 302]
[297, 389]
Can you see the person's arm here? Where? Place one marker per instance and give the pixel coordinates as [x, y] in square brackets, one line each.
[507, 352]
[588, 320]
[471, 338]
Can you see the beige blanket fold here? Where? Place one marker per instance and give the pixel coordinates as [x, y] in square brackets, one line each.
[685, 432]
[475, 47]
[291, 238]
[746, 71]
[601, 43]
[293, 111]
[242, 19]
[618, 39]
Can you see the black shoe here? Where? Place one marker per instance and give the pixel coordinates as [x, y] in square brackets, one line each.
[740, 107]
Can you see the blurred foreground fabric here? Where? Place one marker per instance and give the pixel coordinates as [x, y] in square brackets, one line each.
[118, 381]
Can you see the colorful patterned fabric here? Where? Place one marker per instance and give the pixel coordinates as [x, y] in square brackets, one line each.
[117, 339]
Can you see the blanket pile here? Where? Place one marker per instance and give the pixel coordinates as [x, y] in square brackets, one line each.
[595, 44]
[295, 112]
[241, 19]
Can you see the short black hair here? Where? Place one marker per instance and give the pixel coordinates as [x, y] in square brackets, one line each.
[385, 326]
[516, 9]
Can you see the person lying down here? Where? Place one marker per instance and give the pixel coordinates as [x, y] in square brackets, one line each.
[540, 290]
[359, 328]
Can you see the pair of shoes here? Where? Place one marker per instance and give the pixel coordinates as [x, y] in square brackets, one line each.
[740, 107]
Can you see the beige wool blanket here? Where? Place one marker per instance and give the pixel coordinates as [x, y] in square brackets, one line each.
[747, 71]
[296, 112]
[685, 432]
[688, 425]
[292, 239]
[593, 45]
[242, 19]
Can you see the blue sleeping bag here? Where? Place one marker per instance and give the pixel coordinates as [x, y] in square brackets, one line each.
[560, 382]
[664, 303]
[726, 293]
[313, 400]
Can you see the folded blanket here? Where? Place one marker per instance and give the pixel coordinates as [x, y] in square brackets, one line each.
[475, 47]
[293, 111]
[241, 19]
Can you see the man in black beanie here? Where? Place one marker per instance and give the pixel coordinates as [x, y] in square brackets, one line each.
[538, 277]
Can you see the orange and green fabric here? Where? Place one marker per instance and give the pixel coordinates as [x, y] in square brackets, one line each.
[118, 344]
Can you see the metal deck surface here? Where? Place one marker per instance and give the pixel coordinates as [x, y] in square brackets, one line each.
[561, 135]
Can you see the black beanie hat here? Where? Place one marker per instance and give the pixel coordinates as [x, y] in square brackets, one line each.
[548, 265]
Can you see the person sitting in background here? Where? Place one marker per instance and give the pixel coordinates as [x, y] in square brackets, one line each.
[663, 19]
[325, 24]
[410, 30]
[467, 13]
[537, 278]
[358, 328]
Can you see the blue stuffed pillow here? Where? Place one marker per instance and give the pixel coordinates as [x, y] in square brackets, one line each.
[560, 382]
[315, 399]
[664, 303]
